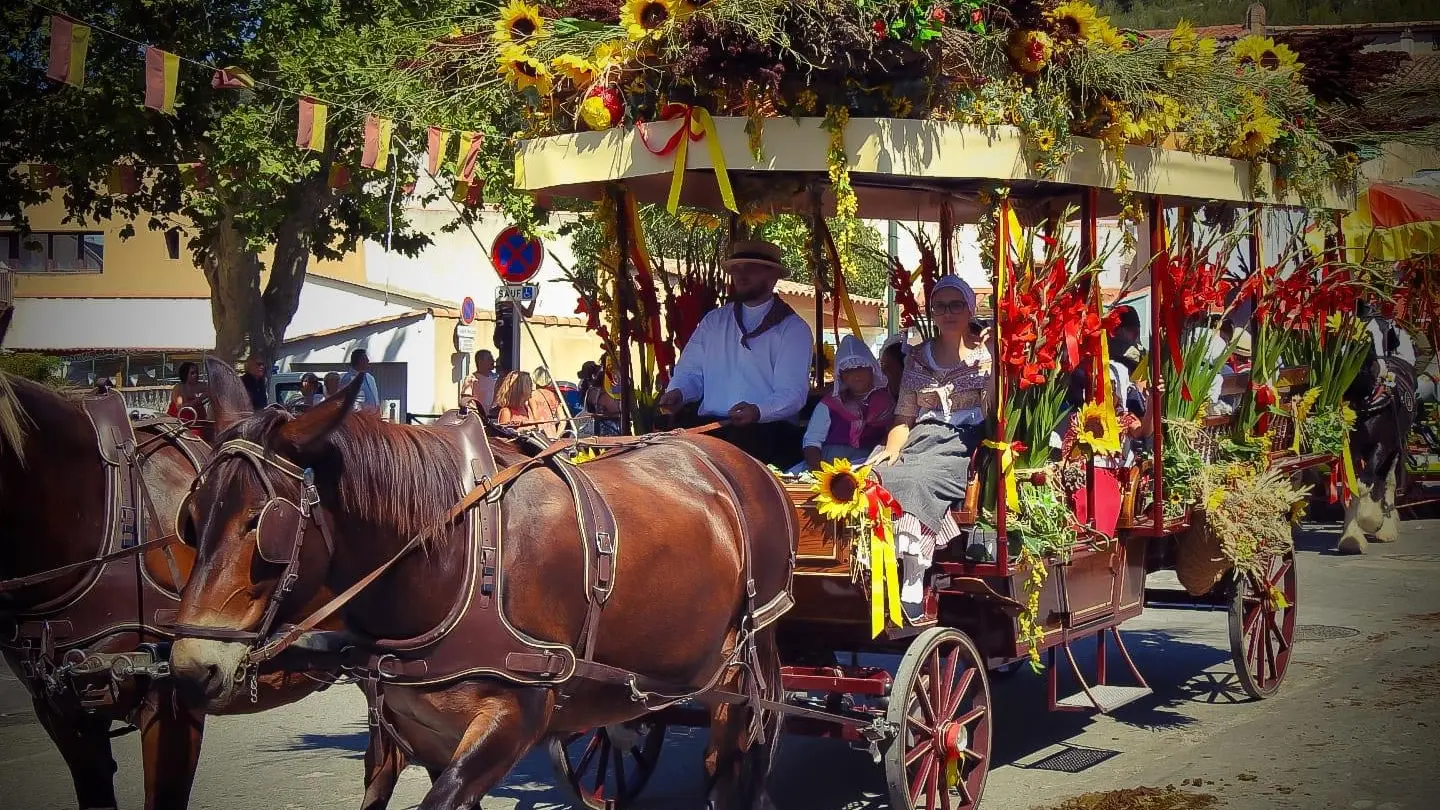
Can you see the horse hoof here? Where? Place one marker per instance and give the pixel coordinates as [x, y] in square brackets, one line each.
[1351, 544]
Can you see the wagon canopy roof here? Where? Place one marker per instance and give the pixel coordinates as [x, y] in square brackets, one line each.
[893, 164]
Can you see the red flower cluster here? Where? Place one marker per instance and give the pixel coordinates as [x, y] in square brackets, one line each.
[904, 294]
[1049, 324]
[1305, 298]
[1189, 288]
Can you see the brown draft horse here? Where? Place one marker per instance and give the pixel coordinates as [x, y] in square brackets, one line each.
[52, 511]
[675, 612]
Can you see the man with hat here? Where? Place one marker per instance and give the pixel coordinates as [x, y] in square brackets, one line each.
[748, 362]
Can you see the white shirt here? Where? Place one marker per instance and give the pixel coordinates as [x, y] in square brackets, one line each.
[479, 389]
[369, 399]
[773, 374]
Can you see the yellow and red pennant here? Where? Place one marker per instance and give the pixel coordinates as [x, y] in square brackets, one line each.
[162, 75]
[232, 78]
[310, 132]
[122, 179]
[376, 154]
[469, 194]
[194, 175]
[437, 140]
[469, 154]
[69, 41]
[339, 178]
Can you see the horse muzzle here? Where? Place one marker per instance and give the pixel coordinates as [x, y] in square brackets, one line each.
[208, 672]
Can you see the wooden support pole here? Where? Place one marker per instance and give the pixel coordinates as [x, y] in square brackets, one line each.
[1002, 256]
[623, 295]
[817, 262]
[1156, 223]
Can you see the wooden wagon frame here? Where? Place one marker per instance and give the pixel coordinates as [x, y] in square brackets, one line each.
[930, 720]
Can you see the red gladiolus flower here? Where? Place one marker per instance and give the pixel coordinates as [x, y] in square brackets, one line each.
[879, 28]
[938, 14]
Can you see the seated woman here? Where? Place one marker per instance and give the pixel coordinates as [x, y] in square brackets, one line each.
[545, 407]
[512, 399]
[601, 399]
[852, 420]
[945, 393]
[189, 397]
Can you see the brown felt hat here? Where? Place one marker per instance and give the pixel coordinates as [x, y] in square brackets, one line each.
[755, 251]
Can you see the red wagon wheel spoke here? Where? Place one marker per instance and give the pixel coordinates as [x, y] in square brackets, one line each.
[608, 773]
[941, 710]
[1262, 625]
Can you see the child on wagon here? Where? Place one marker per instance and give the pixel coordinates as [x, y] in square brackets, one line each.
[854, 418]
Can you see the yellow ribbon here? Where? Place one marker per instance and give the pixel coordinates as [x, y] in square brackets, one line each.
[705, 132]
[1007, 471]
[1348, 414]
[884, 572]
[1302, 412]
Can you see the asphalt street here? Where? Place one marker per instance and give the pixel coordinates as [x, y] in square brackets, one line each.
[1355, 727]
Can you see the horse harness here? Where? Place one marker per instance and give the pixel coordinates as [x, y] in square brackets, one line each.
[476, 639]
[53, 639]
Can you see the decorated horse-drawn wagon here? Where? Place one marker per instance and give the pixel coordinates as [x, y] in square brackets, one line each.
[493, 593]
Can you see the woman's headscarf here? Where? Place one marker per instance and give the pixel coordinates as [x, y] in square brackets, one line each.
[954, 282]
[853, 353]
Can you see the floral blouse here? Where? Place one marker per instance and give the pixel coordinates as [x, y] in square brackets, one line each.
[929, 392]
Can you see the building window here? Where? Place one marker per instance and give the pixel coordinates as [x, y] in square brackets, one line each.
[52, 252]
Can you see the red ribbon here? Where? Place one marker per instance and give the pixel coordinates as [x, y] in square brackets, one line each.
[1339, 493]
[672, 112]
[879, 497]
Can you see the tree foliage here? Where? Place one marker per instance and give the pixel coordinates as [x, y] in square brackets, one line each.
[269, 207]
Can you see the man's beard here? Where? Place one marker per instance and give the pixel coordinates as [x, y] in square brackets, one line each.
[752, 296]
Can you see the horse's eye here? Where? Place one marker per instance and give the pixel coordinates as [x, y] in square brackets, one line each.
[253, 522]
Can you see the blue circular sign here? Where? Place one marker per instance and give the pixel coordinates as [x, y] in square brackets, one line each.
[467, 310]
[516, 257]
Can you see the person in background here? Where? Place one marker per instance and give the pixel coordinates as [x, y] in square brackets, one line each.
[892, 363]
[189, 398]
[545, 406]
[254, 379]
[478, 390]
[600, 401]
[512, 398]
[854, 418]
[748, 362]
[310, 393]
[369, 399]
[332, 383]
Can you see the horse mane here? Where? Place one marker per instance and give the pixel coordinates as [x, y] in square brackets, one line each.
[14, 421]
[398, 478]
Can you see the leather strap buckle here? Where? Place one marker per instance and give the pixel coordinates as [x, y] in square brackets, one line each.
[129, 531]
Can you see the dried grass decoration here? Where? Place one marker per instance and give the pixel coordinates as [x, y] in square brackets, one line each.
[1245, 518]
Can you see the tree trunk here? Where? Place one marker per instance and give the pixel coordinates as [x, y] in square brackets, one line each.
[233, 272]
[294, 242]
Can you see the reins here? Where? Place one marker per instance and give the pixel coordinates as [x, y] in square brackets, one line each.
[485, 489]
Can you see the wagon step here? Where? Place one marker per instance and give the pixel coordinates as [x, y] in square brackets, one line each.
[1099, 696]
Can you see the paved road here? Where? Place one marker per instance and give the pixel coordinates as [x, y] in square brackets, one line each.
[1356, 726]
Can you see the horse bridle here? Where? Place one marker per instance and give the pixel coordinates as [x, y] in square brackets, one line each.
[279, 538]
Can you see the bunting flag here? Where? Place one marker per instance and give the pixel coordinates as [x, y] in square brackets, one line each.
[162, 73]
[438, 139]
[469, 194]
[232, 78]
[469, 153]
[310, 133]
[123, 179]
[376, 154]
[195, 175]
[69, 41]
[339, 176]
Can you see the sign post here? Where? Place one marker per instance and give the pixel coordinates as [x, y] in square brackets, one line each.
[516, 258]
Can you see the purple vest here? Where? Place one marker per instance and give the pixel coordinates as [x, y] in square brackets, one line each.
[848, 428]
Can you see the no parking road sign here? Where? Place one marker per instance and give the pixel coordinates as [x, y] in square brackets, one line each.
[516, 257]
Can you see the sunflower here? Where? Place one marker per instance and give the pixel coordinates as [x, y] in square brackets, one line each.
[1256, 129]
[1044, 140]
[1031, 50]
[646, 19]
[1297, 512]
[580, 71]
[1182, 39]
[1098, 429]
[519, 23]
[840, 489]
[1077, 21]
[610, 53]
[1264, 53]
[523, 70]
[755, 216]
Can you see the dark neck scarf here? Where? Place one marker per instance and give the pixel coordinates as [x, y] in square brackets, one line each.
[779, 311]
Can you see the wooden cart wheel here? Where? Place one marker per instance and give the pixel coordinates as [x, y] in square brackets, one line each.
[1262, 625]
[940, 709]
[607, 768]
